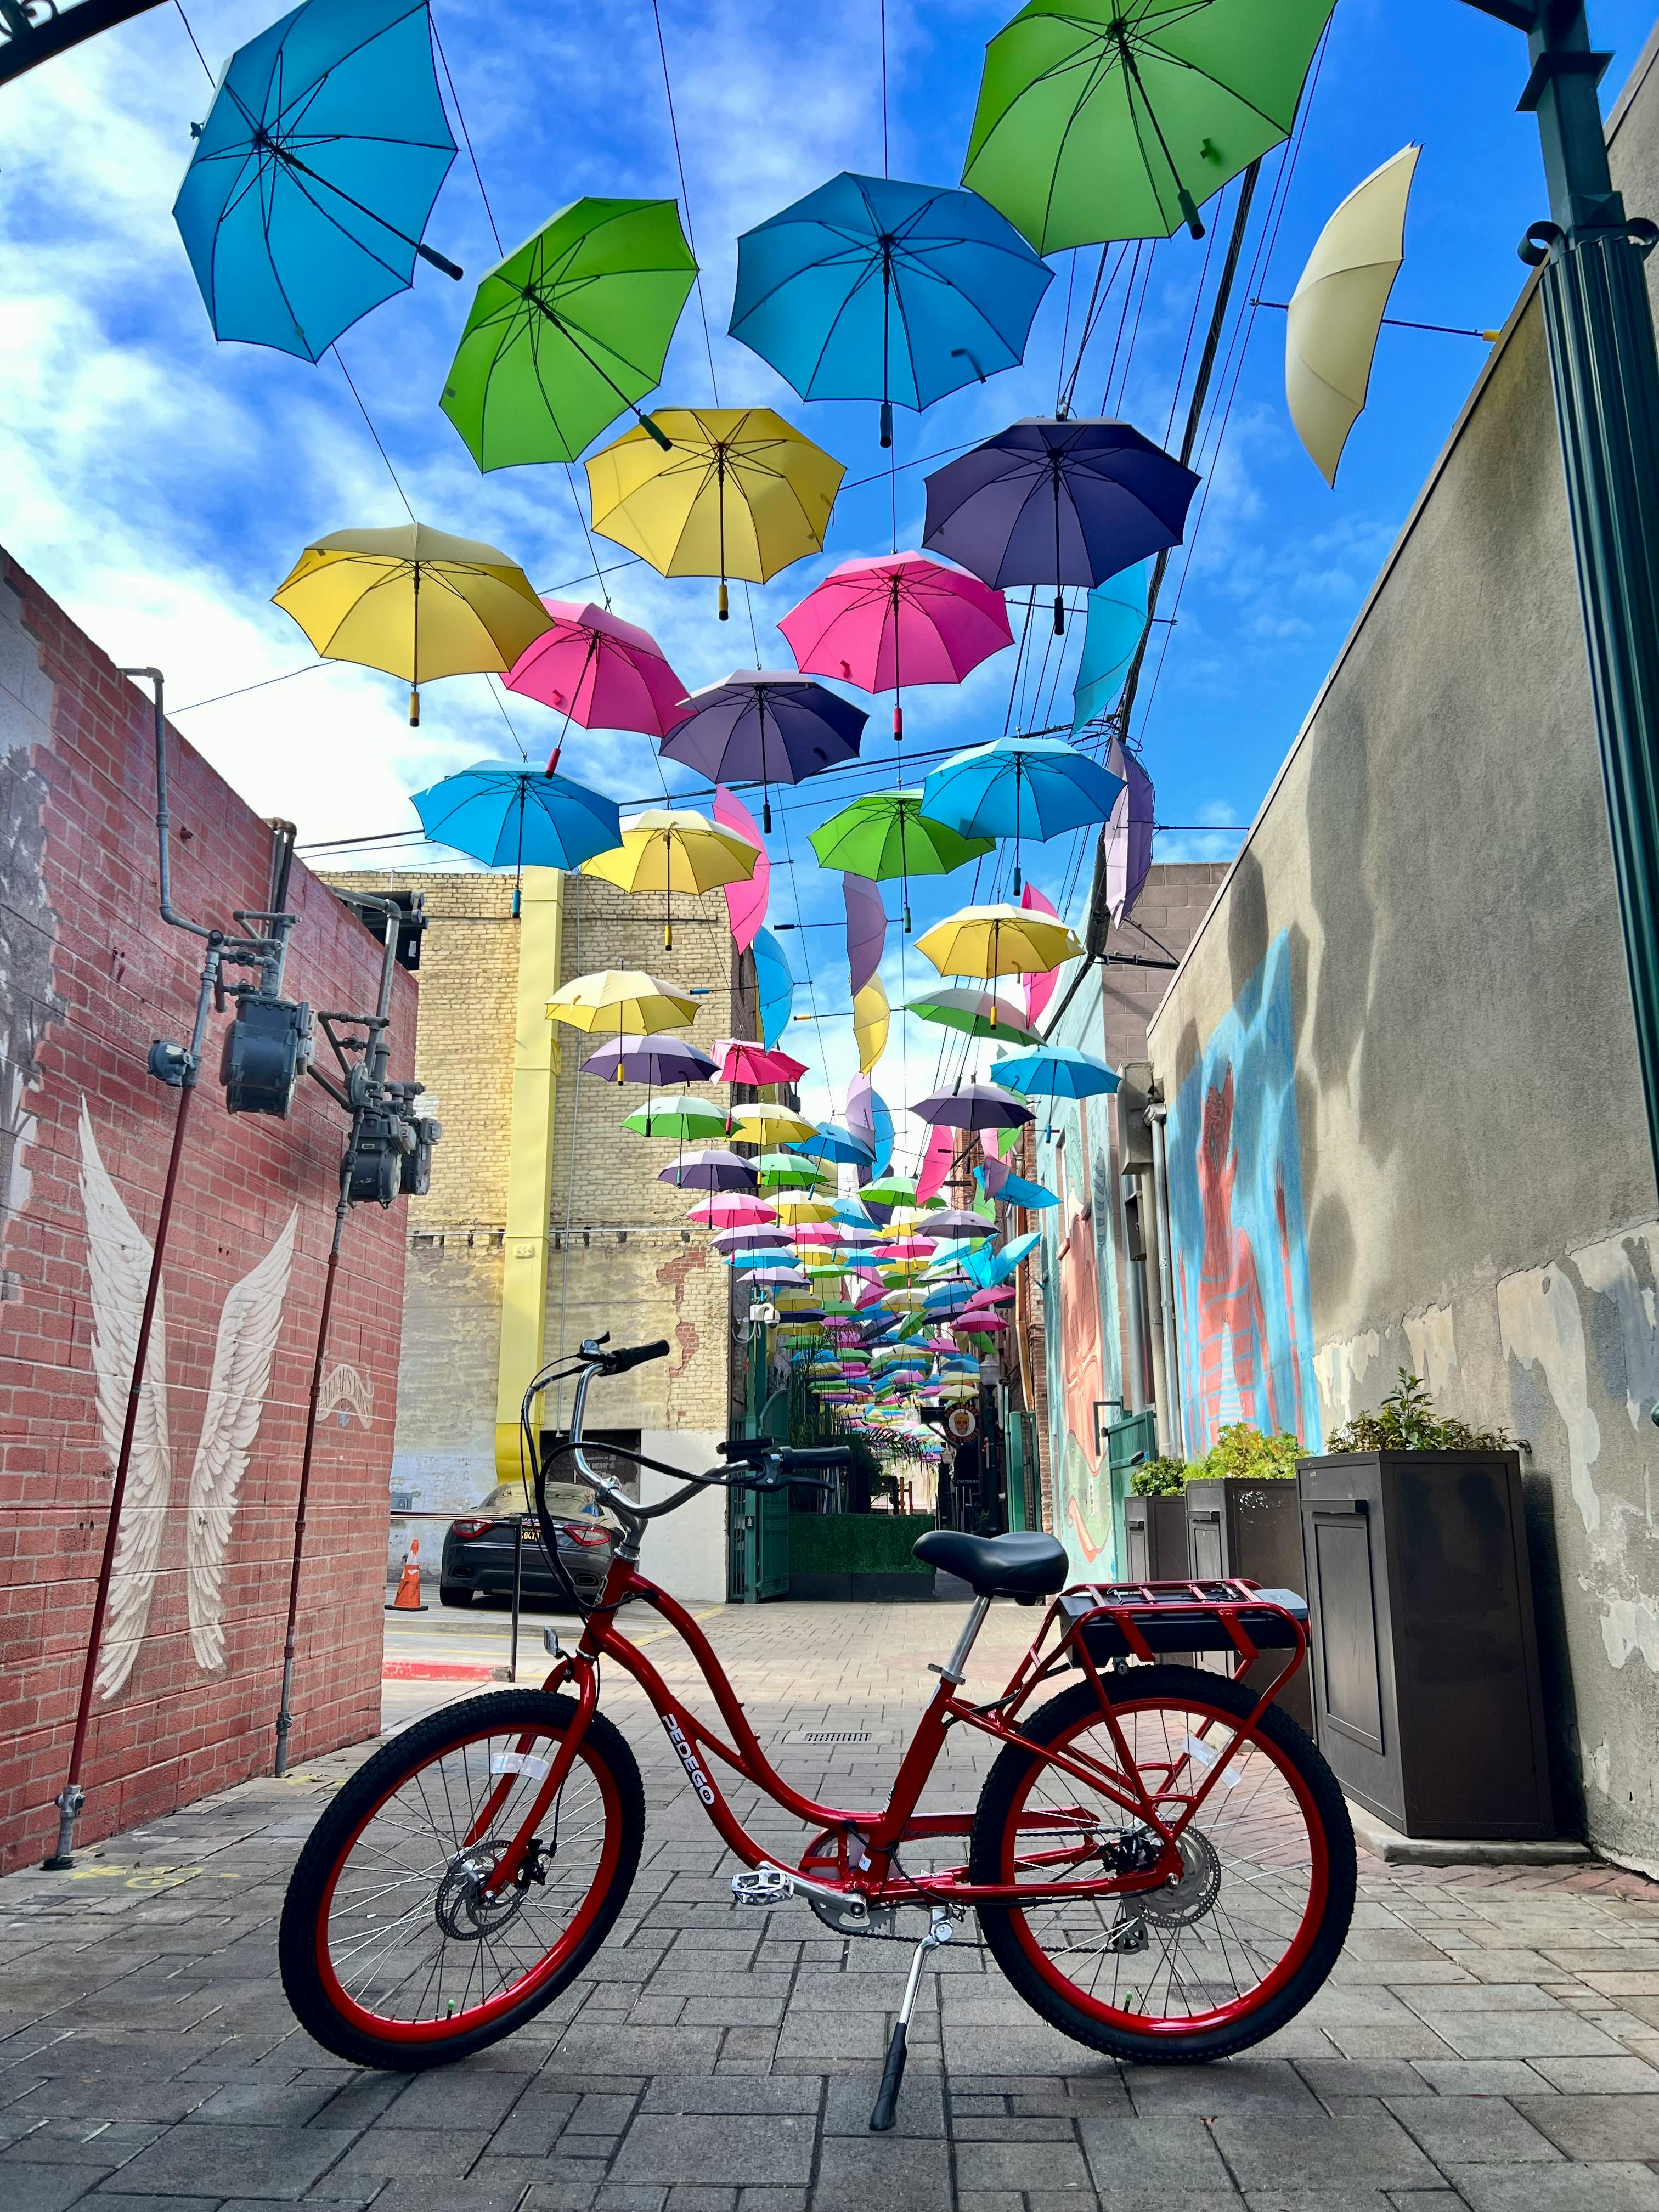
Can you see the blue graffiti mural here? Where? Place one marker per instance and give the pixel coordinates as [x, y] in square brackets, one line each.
[1241, 1253]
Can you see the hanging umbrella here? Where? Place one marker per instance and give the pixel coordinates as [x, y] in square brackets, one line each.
[1059, 502]
[670, 849]
[795, 1210]
[732, 1210]
[742, 493]
[764, 1263]
[774, 984]
[1115, 625]
[869, 1116]
[1038, 988]
[314, 176]
[936, 1162]
[866, 929]
[826, 1234]
[414, 602]
[745, 902]
[830, 1141]
[625, 998]
[1055, 1070]
[869, 289]
[1129, 833]
[871, 1020]
[742, 1061]
[1336, 310]
[765, 726]
[885, 835]
[598, 672]
[506, 816]
[908, 619]
[650, 1061]
[997, 940]
[974, 1013]
[969, 1106]
[1116, 118]
[1019, 787]
[891, 1190]
[789, 1171]
[998, 1180]
[769, 1125]
[678, 1117]
[569, 331]
[752, 1237]
[714, 1168]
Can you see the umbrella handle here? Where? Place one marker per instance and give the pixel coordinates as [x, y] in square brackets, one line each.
[430, 253]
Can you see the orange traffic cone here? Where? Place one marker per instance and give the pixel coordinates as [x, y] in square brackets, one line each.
[408, 1599]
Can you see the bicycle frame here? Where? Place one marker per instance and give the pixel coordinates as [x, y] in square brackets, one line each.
[855, 1853]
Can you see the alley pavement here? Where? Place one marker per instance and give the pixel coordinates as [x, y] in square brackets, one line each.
[1489, 2038]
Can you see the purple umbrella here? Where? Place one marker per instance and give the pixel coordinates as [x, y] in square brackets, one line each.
[972, 1106]
[866, 933]
[956, 1221]
[1129, 832]
[652, 1060]
[712, 1169]
[1057, 501]
[765, 726]
[759, 1239]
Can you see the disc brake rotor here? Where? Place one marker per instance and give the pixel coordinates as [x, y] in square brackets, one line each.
[1178, 1904]
[465, 1908]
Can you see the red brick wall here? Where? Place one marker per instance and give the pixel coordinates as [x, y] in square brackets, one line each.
[88, 975]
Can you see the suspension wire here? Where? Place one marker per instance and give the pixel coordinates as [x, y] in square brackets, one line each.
[466, 136]
[195, 42]
[1122, 320]
[495, 694]
[373, 431]
[885, 169]
[685, 196]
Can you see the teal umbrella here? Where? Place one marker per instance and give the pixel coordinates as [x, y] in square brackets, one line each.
[1116, 623]
[519, 817]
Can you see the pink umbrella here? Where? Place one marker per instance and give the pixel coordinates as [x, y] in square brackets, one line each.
[746, 900]
[600, 671]
[1039, 989]
[973, 1318]
[816, 1232]
[732, 1209]
[936, 1162]
[743, 1061]
[905, 619]
[907, 1248]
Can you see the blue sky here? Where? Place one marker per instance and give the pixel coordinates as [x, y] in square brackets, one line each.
[161, 486]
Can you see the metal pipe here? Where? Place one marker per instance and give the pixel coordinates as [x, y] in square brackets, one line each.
[1173, 1440]
[163, 817]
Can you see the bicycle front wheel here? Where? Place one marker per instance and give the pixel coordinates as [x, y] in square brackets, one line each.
[1239, 1943]
[394, 1951]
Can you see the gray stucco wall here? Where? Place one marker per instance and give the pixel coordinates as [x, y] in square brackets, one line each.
[1476, 1191]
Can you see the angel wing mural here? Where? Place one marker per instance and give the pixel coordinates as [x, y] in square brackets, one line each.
[118, 1257]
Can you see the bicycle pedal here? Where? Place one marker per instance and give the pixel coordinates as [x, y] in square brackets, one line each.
[764, 1887]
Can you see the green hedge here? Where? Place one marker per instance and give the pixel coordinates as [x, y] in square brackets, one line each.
[855, 1543]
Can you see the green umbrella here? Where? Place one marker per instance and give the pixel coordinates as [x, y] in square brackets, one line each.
[886, 834]
[791, 1171]
[692, 1119]
[971, 1012]
[1116, 118]
[569, 330]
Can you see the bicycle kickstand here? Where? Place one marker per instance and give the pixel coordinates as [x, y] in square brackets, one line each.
[892, 2074]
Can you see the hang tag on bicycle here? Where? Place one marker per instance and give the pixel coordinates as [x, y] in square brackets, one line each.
[1204, 1756]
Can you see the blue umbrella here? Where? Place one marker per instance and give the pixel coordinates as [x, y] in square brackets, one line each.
[1054, 1071]
[1116, 625]
[869, 289]
[314, 174]
[510, 817]
[834, 1143]
[1058, 500]
[1015, 1190]
[775, 983]
[1020, 787]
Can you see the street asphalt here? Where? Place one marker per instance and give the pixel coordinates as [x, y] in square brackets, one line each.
[1489, 2038]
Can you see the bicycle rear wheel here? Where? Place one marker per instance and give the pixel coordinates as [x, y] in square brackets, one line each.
[393, 1951]
[1253, 1927]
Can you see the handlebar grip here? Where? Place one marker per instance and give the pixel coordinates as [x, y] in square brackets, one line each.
[616, 1362]
[817, 1455]
[749, 1449]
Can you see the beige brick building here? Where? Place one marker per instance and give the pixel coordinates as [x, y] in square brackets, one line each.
[546, 1222]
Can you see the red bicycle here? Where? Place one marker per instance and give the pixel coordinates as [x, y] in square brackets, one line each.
[1161, 1862]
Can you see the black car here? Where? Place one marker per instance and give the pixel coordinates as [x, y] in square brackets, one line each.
[478, 1554]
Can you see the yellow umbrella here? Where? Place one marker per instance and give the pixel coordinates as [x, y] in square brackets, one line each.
[770, 1125]
[1337, 307]
[741, 493]
[796, 1211]
[998, 940]
[905, 1221]
[623, 997]
[871, 1019]
[413, 602]
[670, 849]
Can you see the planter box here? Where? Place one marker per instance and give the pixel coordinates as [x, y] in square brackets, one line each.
[1425, 1657]
[1156, 1532]
[1238, 1527]
[888, 1588]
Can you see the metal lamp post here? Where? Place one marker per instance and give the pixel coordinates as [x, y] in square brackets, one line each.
[1605, 372]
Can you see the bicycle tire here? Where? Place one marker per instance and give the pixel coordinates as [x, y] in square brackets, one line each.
[311, 1951]
[1291, 1767]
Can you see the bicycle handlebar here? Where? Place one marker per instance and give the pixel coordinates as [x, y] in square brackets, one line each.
[618, 1363]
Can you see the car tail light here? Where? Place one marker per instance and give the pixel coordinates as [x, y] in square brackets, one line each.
[470, 1528]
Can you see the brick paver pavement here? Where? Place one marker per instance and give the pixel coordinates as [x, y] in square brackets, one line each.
[1488, 2040]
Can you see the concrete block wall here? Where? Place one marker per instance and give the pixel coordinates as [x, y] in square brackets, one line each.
[88, 975]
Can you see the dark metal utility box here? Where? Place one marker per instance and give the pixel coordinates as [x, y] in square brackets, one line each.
[1155, 1529]
[1427, 1689]
[1239, 1527]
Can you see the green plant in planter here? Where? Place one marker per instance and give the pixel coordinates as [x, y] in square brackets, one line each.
[1241, 1449]
[1160, 1477]
[1406, 1421]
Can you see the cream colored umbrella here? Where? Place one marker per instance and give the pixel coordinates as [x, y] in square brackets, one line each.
[871, 1019]
[625, 999]
[1337, 308]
